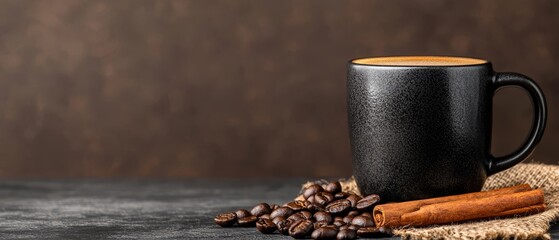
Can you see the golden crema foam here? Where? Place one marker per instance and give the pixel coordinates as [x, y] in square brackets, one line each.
[419, 61]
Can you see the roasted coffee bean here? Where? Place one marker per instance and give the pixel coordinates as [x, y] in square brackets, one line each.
[300, 198]
[324, 233]
[265, 226]
[313, 207]
[226, 219]
[323, 198]
[338, 223]
[306, 214]
[261, 209]
[283, 226]
[373, 232]
[368, 202]
[323, 216]
[295, 217]
[265, 216]
[338, 218]
[333, 187]
[347, 219]
[281, 211]
[301, 229]
[362, 221]
[353, 213]
[274, 206]
[249, 221]
[332, 226]
[385, 230]
[311, 199]
[241, 213]
[297, 205]
[368, 232]
[349, 226]
[367, 214]
[346, 234]
[278, 219]
[353, 199]
[341, 195]
[320, 224]
[339, 207]
[312, 190]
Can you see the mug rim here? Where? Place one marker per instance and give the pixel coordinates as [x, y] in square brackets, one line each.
[468, 61]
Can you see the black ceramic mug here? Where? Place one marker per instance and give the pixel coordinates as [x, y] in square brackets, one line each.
[420, 126]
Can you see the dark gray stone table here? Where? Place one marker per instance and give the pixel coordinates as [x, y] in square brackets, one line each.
[129, 209]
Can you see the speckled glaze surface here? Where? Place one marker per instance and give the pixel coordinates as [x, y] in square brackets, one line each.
[425, 131]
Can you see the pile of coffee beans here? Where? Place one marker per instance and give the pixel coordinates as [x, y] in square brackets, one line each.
[324, 212]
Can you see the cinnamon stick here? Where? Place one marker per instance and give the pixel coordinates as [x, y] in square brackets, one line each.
[496, 203]
[395, 210]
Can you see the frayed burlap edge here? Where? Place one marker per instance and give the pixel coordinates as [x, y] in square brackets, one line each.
[535, 226]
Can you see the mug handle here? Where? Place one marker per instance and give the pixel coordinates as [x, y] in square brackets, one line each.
[497, 164]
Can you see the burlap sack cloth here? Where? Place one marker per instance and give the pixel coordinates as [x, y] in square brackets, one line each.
[535, 226]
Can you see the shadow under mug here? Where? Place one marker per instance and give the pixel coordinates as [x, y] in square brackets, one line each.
[420, 126]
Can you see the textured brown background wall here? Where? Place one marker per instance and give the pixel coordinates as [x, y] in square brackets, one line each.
[236, 88]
